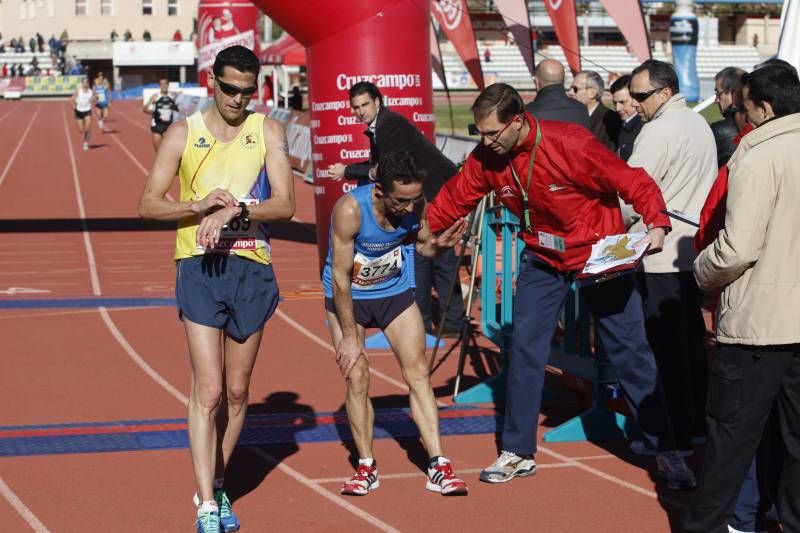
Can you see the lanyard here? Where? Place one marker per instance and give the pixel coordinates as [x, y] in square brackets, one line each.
[526, 212]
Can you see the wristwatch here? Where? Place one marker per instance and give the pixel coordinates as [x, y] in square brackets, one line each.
[245, 214]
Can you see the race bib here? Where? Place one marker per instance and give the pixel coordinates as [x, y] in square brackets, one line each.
[101, 96]
[367, 273]
[165, 115]
[239, 235]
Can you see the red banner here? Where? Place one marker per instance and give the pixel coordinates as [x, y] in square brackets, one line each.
[515, 15]
[453, 18]
[628, 16]
[436, 58]
[565, 23]
[220, 24]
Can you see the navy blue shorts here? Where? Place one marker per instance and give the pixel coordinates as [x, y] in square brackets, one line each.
[377, 312]
[226, 292]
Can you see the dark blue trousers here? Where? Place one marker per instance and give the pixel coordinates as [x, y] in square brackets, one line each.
[617, 310]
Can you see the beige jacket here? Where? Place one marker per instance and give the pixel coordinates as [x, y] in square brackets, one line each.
[756, 258]
[677, 148]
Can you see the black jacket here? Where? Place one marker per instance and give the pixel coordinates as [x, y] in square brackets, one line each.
[605, 125]
[552, 103]
[394, 133]
[627, 136]
[725, 131]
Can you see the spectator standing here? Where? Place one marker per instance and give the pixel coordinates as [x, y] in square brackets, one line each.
[755, 260]
[487, 55]
[114, 35]
[177, 36]
[32, 44]
[128, 36]
[587, 88]
[677, 149]
[551, 103]
[64, 37]
[146, 36]
[727, 87]
[631, 122]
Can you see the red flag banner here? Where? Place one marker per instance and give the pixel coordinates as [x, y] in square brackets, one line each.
[565, 23]
[436, 57]
[453, 17]
[628, 16]
[515, 15]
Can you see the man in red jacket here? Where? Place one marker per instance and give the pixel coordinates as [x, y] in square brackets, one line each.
[563, 184]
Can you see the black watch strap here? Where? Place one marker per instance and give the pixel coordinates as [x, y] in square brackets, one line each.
[245, 214]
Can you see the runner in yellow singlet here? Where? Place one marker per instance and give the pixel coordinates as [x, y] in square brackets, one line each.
[235, 177]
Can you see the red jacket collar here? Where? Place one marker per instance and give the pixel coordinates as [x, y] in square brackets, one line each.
[530, 140]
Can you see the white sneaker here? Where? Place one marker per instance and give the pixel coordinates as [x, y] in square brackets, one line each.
[672, 467]
[85, 146]
[640, 448]
[509, 465]
[442, 479]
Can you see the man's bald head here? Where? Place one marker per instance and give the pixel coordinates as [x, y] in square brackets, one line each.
[549, 72]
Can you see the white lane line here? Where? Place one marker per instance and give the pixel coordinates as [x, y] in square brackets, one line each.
[22, 509]
[7, 114]
[133, 157]
[325, 493]
[19, 145]
[6, 316]
[407, 475]
[87, 242]
[294, 474]
[608, 477]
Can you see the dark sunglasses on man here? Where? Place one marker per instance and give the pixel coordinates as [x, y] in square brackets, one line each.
[233, 90]
[641, 97]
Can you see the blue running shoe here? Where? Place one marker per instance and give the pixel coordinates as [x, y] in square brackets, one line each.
[208, 522]
[227, 519]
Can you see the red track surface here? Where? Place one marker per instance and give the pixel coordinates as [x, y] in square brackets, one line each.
[80, 365]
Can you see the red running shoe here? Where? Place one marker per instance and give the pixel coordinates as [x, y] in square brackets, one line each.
[442, 479]
[363, 481]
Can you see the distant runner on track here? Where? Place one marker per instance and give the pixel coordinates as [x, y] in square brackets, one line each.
[82, 102]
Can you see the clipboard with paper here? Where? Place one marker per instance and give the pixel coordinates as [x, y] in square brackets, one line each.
[613, 256]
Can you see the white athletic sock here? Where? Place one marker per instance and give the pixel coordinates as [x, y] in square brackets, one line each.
[208, 507]
[367, 461]
[218, 482]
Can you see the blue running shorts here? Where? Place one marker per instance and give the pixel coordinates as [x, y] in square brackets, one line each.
[226, 292]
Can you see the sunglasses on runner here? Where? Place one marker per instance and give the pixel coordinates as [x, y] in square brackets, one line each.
[233, 90]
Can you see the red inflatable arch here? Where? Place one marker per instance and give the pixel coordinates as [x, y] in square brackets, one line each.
[383, 41]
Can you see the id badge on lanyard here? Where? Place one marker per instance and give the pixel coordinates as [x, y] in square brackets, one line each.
[526, 210]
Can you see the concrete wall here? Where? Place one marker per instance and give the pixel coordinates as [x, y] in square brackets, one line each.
[50, 17]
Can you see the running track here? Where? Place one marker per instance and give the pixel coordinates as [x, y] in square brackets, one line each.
[93, 352]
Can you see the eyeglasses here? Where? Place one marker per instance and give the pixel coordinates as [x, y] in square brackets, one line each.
[641, 97]
[718, 92]
[405, 203]
[575, 88]
[233, 90]
[491, 135]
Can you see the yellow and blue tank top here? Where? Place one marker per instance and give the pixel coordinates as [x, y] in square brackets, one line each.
[383, 262]
[238, 167]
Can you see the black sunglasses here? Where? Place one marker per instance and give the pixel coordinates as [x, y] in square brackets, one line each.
[641, 97]
[233, 90]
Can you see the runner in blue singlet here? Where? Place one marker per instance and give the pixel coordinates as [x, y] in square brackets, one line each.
[368, 281]
[102, 90]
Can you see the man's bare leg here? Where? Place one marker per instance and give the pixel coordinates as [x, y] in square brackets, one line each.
[360, 413]
[205, 353]
[240, 358]
[406, 334]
